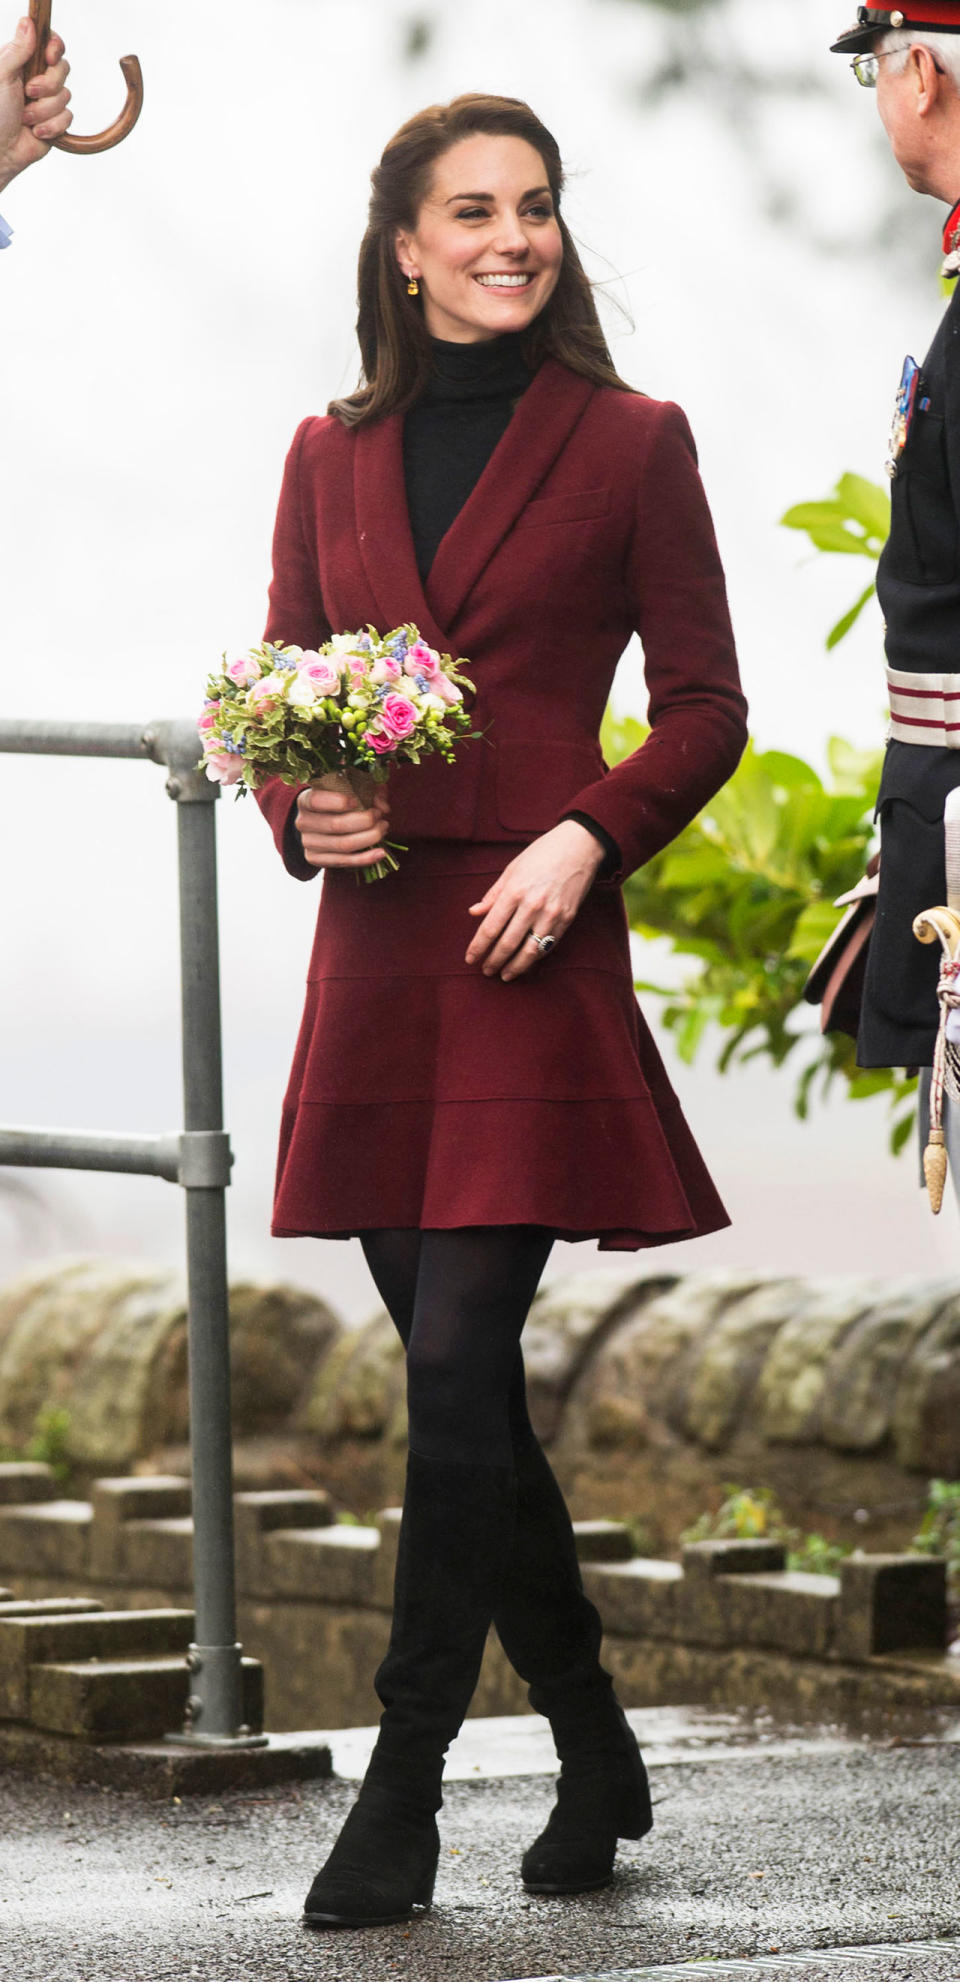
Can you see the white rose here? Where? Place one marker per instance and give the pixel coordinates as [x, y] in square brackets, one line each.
[301, 692]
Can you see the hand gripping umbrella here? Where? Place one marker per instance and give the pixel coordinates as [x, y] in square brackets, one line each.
[942, 925]
[133, 77]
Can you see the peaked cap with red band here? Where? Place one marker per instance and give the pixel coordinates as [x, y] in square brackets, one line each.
[934, 16]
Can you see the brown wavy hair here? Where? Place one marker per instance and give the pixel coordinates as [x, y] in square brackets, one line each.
[394, 344]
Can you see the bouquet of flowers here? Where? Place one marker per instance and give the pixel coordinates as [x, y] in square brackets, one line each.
[337, 717]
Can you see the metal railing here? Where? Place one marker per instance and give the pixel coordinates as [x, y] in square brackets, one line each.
[198, 1157]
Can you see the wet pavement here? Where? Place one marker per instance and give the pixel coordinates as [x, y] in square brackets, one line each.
[827, 1855]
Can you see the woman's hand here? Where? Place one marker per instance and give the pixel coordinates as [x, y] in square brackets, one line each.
[539, 894]
[336, 833]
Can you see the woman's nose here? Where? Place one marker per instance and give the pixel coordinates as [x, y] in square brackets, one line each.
[510, 238]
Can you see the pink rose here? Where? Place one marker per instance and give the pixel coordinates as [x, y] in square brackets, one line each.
[379, 742]
[224, 767]
[321, 672]
[268, 689]
[385, 669]
[244, 670]
[422, 660]
[207, 716]
[397, 716]
[446, 689]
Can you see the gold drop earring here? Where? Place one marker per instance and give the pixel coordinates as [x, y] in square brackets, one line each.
[413, 286]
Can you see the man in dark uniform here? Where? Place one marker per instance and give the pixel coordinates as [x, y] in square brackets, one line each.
[911, 55]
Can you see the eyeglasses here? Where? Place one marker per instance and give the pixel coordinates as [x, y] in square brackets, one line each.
[866, 68]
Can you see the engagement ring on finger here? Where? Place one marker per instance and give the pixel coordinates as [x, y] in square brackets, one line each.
[544, 943]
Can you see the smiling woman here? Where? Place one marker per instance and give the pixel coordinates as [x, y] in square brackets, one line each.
[473, 1077]
[465, 242]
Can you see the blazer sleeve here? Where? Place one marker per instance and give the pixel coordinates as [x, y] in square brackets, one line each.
[296, 617]
[697, 712]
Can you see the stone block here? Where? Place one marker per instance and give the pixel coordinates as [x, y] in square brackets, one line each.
[108, 1343]
[25, 1480]
[789, 1612]
[26, 1642]
[256, 1515]
[603, 1541]
[638, 1372]
[703, 1608]
[864, 1376]
[891, 1603]
[124, 1699]
[926, 1417]
[732, 1558]
[385, 1560]
[49, 1607]
[637, 1599]
[731, 1357]
[115, 1503]
[793, 1381]
[359, 1385]
[157, 1552]
[160, 1770]
[335, 1565]
[51, 1538]
[567, 1321]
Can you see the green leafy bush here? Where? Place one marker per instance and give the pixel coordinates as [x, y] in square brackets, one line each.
[939, 1531]
[49, 1444]
[854, 521]
[746, 892]
[753, 1514]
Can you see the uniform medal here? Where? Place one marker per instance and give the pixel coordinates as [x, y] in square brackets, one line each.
[903, 413]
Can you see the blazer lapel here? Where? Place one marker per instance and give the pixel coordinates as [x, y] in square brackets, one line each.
[383, 531]
[542, 424]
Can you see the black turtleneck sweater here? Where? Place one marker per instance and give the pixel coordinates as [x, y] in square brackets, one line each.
[451, 432]
[448, 438]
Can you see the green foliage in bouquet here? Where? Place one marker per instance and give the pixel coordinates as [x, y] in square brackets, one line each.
[747, 893]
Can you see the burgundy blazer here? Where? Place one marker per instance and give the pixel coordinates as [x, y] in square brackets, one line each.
[588, 523]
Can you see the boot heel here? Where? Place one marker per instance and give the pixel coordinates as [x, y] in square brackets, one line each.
[634, 1816]
[634, 1811]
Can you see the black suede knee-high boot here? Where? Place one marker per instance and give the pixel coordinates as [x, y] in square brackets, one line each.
[454, 1538]
[551, 1633]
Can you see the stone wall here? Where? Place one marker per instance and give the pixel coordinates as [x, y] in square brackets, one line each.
[651, 1390]
[726, 1624]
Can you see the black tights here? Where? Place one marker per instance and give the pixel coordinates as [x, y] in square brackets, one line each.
[459, 1300]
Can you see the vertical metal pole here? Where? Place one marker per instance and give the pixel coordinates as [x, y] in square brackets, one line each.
[215, 1711]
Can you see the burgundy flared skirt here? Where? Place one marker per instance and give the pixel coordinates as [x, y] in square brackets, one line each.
[425, 1094]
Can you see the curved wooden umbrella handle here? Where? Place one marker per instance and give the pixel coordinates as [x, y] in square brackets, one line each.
[132, 75]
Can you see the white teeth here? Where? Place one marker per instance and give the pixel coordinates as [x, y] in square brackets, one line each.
[504, 281]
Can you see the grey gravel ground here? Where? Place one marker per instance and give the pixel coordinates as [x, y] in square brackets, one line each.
[750, 1853]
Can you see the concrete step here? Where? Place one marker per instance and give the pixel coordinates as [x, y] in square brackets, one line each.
[25, 1480]
[46, 1538]
[11, 1606]
[32, 1641]
[123, 1699]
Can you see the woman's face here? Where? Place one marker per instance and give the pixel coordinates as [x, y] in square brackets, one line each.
[486, 249]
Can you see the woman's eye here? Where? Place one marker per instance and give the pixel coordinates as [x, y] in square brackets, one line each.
[542, 211]
[472, 213]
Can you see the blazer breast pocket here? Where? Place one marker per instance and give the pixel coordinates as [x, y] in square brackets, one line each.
[579, 507]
